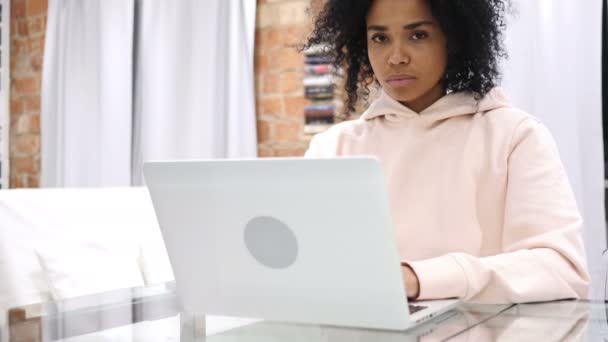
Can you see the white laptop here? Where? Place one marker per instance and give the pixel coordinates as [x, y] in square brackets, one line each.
[285, 239]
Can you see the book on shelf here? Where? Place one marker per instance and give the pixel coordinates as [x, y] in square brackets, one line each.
[319, 81]
[318, 49]
[319, 89]
[319, 92]
[319, 107]
[319, 113]
[320, 96]
[318, 59]
[319, 69]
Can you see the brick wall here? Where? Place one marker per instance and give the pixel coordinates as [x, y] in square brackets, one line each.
[28, 23]
[279, 70]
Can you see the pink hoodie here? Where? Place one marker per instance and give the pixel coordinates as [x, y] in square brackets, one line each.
[481, 204]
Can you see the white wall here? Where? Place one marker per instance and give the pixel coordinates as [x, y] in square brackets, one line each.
[554, 73]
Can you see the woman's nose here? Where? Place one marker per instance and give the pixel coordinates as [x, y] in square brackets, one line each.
[399, 56]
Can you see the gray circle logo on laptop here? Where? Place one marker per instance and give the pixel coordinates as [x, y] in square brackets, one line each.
[271, 242]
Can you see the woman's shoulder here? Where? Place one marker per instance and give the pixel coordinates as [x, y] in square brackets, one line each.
[521, 129]
[330, 140]
[351, 128]
[496, 108]
[511, 118]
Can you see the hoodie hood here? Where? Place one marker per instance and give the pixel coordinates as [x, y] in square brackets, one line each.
[453, 104]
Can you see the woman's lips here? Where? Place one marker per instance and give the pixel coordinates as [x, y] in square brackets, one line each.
[400, 81]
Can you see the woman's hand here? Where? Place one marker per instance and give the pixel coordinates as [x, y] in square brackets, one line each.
[410, 279]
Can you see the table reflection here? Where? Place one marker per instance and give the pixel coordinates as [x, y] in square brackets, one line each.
[563, 321]
[154, 314]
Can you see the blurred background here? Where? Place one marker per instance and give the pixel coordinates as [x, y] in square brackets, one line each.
[90, 89]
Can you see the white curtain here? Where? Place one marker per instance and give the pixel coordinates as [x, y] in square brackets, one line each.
[86, 93]
[195, 91]
[554, 73]
[182, 88]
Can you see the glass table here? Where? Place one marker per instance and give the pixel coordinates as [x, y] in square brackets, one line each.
[153, 314]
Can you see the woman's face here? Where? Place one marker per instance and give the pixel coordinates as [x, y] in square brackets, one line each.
[407, 50]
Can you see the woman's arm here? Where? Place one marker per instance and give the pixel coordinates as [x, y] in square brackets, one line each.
[543, 255]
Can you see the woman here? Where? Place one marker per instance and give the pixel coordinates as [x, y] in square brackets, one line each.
[481, 204]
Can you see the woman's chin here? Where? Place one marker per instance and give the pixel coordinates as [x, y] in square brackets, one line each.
[401, 96]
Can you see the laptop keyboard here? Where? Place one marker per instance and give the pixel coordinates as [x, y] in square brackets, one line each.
[416, 308]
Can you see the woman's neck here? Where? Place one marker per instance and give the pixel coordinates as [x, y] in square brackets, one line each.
[423, 102]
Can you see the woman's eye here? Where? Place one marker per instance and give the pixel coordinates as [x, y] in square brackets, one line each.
[378, 38]
[419, 35]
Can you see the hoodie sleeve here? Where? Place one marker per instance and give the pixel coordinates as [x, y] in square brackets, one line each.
[543, 255]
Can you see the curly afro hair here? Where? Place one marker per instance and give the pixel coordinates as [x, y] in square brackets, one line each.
[474, 31]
